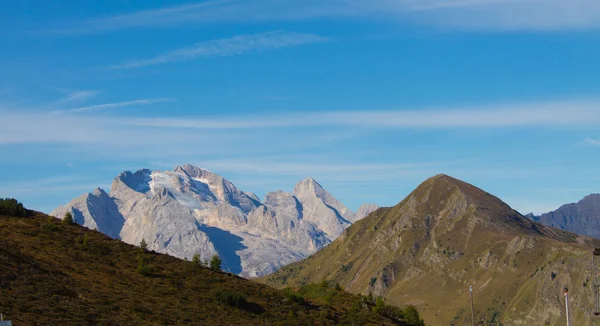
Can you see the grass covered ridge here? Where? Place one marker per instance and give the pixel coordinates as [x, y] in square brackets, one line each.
[53, 273]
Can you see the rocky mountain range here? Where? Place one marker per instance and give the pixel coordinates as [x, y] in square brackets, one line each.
[448, 235]
[582, 217]
[191, 211]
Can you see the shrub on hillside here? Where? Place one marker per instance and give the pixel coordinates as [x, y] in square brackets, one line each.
[11, 207]
[142, 267]
[67, 219]
[215, 263]
[411, 316]
[196, 261]
[232, 299]
[143, 245]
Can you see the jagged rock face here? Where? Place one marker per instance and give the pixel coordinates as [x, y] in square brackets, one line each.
[321, 208]
[445, 236]
[191, 211]
[582, 217]
[95, 211]
[364, 210]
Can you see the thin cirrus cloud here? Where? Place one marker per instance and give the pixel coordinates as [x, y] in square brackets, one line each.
[463, 14]
[31, 127]
[81, 95]
[561, 113]
[229, 47]
[116, 105]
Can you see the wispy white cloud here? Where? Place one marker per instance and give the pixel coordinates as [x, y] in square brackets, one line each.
[22, 126]
[116, 105]
[560, 113]
[71, 95]
[592, 141]
[81, 95]
[48, 184]
[470, 14]
[229, 47]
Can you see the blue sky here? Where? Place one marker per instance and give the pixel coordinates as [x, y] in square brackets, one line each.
[368, 97]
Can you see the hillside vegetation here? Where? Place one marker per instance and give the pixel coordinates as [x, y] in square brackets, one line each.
[55, 273]
[445, 236]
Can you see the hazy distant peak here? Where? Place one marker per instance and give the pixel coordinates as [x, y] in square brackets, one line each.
[365, 209]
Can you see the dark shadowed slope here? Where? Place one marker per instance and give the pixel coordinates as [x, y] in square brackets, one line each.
[55, 274]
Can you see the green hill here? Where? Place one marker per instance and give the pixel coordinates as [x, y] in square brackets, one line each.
[57, 274]
[446, 235]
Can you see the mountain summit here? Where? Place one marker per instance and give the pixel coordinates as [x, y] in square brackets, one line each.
[443, 237]
[321, 208]
[191, 211]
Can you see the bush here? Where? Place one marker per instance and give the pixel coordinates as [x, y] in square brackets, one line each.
[215, 263]
[196, 260]
[11, 207]
[379, 305]
[291, 296]
[67, 219]
[232, 299]
[142, 267]
[143, 245]
[411, 316]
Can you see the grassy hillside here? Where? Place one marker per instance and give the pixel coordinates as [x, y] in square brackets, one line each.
[56, 274]
[446, 235]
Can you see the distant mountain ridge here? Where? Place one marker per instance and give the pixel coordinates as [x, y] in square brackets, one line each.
[445, 236]
[582, 217]
[191, 211]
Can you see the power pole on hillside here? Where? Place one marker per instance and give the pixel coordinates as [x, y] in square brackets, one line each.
[567, 304]
[596, 280]
[472, 307]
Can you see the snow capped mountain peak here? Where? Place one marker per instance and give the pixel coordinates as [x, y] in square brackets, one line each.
[191, 210]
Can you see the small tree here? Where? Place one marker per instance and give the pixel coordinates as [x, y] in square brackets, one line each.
[411, 316]
[379, 304]
[67, 219]
[142, 266]
[144, 245]
[196, 260]
[11, 207]
[215, 263]
[142, 258]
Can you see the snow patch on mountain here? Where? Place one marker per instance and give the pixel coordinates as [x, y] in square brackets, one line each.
[191, 211]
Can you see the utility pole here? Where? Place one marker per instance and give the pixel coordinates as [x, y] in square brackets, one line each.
[472, 308]
[567, 304]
